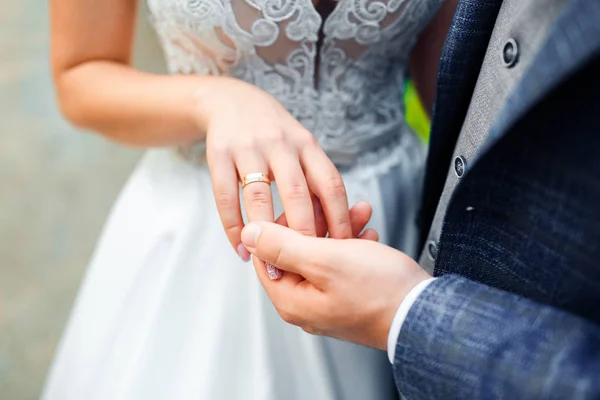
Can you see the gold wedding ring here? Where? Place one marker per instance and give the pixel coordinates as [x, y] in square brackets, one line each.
[255, 177]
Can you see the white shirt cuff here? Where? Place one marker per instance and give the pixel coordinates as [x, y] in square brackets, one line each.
[400, 316]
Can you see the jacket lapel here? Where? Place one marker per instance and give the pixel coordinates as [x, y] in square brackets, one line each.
[460, 63]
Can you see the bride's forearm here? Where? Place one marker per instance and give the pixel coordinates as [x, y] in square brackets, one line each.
[133, 107]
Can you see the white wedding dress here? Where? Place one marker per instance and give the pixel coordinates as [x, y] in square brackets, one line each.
[167, 310]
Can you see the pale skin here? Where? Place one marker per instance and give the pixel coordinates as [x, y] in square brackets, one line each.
[347, 289]
[245, 128]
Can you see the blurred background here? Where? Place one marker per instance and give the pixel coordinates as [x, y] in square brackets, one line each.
[56, 189]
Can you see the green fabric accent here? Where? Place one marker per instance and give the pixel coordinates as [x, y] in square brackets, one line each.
[416, 116]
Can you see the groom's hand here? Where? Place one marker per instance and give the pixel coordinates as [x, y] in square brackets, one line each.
[349, 289]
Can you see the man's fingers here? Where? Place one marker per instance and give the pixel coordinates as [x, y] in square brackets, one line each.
[283, 247]
[291, 295]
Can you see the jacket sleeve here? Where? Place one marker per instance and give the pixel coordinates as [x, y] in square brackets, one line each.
[465, 340]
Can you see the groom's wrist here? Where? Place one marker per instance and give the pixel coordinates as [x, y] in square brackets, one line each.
[401, 314]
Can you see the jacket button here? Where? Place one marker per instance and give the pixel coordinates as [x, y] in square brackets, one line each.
[510, 53]
[432, 249]
[459, 166]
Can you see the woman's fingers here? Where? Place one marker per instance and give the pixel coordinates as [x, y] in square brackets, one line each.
[360, 214]
[258, 200]
[320, 222]
[310, 187]
[370, 234]
[226, 192]
[326, 182]
[293, 190]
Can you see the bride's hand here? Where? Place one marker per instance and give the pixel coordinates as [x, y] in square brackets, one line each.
[249, 131]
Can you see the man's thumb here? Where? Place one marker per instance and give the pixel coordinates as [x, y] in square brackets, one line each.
[278, 245]
[250, 235]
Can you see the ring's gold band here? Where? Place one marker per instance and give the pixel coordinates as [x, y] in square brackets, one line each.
[255, 177]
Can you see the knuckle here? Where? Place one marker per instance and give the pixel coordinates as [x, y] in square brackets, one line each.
[220, 149]
[304, 137]
[246, 147]
[309, 140]
[335, 187]
[273, 138]
[343, 224]
[297, 191]
[260, 199]
[226, 200]
[232, 229]
[277, 136]
[244, 143]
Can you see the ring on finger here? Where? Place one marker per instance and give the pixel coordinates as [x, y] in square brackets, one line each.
[255, 177]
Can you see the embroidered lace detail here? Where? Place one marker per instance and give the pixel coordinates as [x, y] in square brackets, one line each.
[353, 105]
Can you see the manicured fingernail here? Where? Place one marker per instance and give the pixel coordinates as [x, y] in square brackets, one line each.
[250, 234]
[243, 253]
[273, 272]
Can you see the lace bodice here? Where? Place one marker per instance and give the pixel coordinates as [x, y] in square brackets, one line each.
[349, 95]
